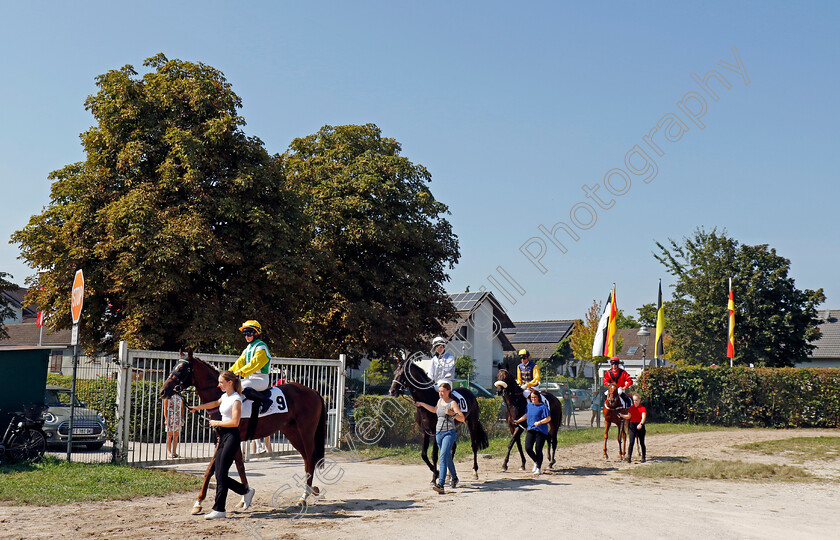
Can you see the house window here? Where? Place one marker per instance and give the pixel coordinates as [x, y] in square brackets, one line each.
[462, 333]
[56, 359]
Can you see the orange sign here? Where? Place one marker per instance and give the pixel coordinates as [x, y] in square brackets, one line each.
[78, 296]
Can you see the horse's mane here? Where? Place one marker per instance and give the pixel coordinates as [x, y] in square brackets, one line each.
[202, 364]
[419, 375]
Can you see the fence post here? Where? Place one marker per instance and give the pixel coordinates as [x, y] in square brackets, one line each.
[123, 403]
[339, 409]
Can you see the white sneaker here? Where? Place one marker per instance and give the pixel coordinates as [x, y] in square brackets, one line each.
[261, 449]
[537, 472]
[215, 515]
[247, 498]
[534, 468]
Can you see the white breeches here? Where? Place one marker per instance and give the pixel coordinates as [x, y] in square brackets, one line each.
[257, 381]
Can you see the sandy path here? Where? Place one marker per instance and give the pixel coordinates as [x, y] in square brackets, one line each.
[381, 500]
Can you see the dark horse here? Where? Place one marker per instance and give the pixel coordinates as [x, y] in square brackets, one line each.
[409, 377]
[304, 425]
[516, 405]
[613, 411]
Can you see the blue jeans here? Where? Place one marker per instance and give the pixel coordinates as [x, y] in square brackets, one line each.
[445, 440]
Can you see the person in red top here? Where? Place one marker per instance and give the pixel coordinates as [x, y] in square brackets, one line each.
[638, 418]
[620, 378]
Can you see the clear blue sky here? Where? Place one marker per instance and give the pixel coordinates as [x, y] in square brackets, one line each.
[512, 108]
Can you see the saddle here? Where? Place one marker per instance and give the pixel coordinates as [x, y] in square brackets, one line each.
[263, 398]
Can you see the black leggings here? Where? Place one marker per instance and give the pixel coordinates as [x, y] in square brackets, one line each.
[229, 440]
[534, 441]
[635, 433]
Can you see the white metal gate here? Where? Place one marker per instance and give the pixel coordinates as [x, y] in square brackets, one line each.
[141, 434]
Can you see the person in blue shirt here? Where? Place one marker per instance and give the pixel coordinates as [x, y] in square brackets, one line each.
[537, 418]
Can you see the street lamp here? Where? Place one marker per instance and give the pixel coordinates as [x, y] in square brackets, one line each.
[644, 336]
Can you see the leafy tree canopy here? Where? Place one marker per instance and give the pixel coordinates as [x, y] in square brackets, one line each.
[183, 225]
[464, 367]
[380, 371]
[6, 311]
[625, 321]
[774, 321]
[380, 245]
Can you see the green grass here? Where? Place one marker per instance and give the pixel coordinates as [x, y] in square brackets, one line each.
[719, 470]
[410, 453]
[798, 448]
[53, 481]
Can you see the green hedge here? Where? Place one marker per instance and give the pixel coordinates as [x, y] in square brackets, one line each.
[392, 423]
[741, 396]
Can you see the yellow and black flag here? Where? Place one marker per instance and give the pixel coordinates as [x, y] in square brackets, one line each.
[660, 326]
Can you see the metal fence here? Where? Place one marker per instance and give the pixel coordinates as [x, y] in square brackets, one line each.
[96, 381]
[140, 430]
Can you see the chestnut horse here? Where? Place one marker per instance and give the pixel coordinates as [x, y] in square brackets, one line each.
[304, 424]
[409, 377]
[613, 409]
[516, 406]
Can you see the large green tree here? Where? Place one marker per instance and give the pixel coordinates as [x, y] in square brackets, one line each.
[6, 311]
[183, 224]
[380, 244]
[774, 321]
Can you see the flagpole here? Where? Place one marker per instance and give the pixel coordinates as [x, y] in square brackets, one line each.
[730, 338]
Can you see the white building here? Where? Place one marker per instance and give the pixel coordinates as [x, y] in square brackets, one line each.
[477, 332]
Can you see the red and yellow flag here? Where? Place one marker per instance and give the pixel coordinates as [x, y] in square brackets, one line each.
[609, 346]
[730, 345]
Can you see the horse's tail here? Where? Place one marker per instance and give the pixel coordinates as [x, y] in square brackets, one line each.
[320, 436]
[480, 435]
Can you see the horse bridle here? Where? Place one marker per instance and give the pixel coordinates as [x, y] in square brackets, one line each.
[400, 385]
[179, 388]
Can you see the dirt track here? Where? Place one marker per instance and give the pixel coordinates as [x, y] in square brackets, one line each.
[380, 500]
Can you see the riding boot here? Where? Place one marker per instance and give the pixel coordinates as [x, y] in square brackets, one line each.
[256, 400]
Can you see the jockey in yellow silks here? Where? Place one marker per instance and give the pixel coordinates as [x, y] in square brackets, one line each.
[254, 362]
[527, 374]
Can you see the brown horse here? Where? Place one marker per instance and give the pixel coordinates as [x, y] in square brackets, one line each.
[613, 411]
[516, 405]
[409, 377]
[304, 424]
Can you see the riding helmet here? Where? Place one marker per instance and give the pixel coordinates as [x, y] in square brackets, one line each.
[253, 325]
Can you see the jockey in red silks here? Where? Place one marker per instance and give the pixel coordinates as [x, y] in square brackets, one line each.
[620, 378]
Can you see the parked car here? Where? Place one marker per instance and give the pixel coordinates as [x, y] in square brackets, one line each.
[558, 389]
[474, 387]
[88, 424]
[581, 398]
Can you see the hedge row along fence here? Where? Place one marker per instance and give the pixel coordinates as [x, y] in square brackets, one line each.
[101, 394]
[743, 397]
[397, 420]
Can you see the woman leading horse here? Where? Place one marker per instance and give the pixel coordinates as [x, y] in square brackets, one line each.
[410, 378]
[516, 406]
[304, 423]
